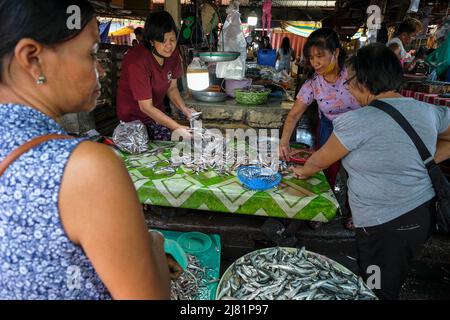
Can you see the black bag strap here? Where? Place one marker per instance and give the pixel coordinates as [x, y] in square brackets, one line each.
[427, 158]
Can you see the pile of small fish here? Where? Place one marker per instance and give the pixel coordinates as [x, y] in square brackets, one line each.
[192, 284]
[229, 158]
[131, 137]
[280, 274]
[225, 164]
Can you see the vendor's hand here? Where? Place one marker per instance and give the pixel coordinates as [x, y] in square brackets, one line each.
[188, 112]
[285, 151]
[184, 132]
[298, 171]
[175, 269]
[157, 242]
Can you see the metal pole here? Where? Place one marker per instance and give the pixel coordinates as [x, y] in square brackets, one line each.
[196, 25]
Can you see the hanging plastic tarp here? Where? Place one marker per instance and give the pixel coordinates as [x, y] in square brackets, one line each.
[104, 31]
[440, 58]
[301, 28]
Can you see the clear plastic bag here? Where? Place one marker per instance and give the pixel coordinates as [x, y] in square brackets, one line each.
[131, 137]
[233, 39]
[414, 6]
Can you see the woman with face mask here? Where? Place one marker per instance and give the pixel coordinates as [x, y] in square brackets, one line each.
[324, 54]
[149, 74]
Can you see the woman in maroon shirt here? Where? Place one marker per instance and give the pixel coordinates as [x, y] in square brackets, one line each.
[149, 74]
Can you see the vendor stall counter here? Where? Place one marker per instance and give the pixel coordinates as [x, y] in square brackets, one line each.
[209, 191]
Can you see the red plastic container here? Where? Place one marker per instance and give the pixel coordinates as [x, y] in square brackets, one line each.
[300, 156]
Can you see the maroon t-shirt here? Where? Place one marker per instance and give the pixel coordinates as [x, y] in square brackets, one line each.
[142, 78]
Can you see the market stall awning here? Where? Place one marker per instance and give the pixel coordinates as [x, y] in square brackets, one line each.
[122, 32]
[301, 28]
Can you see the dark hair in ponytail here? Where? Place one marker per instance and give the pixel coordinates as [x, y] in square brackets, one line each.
[325, 39]
[286, 45]
[43, 21]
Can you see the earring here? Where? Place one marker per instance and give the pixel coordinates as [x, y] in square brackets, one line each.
[42, 79]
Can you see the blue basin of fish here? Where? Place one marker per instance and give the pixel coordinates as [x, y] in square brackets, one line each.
[257, 178]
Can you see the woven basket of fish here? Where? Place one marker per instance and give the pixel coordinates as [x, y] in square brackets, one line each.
[290, 274]
[252, 95]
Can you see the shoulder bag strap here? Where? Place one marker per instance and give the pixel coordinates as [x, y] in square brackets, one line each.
[427, 158]
[10, 158]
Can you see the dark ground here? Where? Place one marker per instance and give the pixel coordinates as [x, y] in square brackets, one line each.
[429, 278]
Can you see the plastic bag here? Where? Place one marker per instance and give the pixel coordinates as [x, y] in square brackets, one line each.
[131, 137]
[414, 6]
[232, 39]
[440, 58]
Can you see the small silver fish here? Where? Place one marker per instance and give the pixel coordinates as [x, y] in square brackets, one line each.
[278, 274]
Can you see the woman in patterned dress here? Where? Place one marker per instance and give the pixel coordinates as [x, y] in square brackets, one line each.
[71, 226]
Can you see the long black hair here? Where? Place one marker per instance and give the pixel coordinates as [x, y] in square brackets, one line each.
[286, 45]
[325, 39]
[377, 68]
[43, 21]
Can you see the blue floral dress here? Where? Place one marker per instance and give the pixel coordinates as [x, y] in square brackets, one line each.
[37, 259]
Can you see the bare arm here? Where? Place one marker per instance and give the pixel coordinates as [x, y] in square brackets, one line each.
[160, 117]
[443, 147]
[332, 151]
[291, 121]
[174, 95]
[100, 212]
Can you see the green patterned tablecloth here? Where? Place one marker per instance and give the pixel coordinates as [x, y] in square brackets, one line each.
[212, 192]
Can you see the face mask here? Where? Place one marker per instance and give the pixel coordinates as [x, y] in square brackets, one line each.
[330, 68]
[152, 48]
[156, 53]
